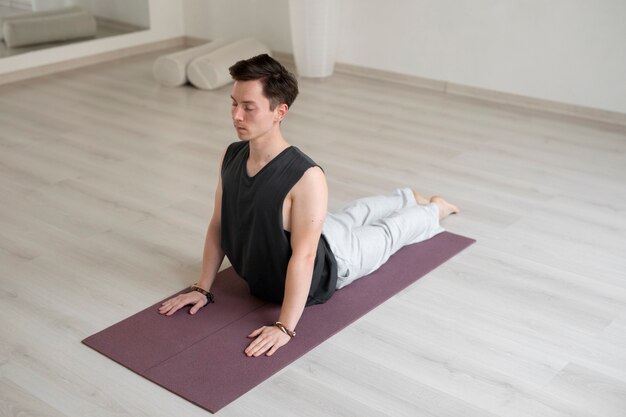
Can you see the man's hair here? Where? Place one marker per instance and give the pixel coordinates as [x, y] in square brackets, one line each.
[279, 85]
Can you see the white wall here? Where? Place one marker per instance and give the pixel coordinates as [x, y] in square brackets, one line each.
[266, 20]
[166, 22]
[570, 51]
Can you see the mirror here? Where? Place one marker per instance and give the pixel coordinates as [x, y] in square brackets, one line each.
[30, 25]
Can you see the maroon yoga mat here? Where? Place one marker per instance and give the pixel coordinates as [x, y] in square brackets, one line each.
[200, 357]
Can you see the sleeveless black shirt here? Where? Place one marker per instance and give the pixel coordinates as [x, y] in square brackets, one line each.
[253, 237]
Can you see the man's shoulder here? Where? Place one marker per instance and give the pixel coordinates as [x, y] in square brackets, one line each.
[306, 159]
[312, 177]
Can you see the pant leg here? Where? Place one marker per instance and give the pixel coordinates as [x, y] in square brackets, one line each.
[339, 226]
[362, 249]
[369, 209]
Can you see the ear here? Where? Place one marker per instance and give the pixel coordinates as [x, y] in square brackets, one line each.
[281, 112]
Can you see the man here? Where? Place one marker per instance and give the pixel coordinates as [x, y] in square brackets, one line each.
[270, 214]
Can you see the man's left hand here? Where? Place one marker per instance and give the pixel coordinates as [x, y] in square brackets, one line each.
[267, 339]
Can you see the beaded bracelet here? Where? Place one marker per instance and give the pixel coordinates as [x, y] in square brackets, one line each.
[207, 294]
[285, 330]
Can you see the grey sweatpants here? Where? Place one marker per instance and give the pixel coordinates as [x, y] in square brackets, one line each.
[364, 234]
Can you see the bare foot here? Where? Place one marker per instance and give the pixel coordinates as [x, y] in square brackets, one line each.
[420, 198]
[445, 208]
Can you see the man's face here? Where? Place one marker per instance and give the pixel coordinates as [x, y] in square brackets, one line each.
[250, 110]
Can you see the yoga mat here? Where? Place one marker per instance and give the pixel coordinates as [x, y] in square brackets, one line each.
[200, 357]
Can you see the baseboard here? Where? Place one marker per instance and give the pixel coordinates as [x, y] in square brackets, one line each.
[193, 41]
[410, 80]
[537, 104]
[490, 96]
[75, 63]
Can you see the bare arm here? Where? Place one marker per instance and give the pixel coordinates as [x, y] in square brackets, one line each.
[213, 254]
[212, 258]
[309, 206]
[309, 203]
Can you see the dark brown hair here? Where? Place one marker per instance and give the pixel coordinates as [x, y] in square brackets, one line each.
[279, 85]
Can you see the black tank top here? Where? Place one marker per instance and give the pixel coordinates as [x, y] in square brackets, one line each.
[253, 237]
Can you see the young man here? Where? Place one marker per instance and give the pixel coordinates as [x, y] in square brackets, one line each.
[270, 214]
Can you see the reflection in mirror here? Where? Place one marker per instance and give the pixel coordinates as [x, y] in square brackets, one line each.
[29, 25]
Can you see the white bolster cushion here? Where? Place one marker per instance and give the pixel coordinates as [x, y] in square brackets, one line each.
[28, 15]
[53, 28]
[210, 71]
[171, 70]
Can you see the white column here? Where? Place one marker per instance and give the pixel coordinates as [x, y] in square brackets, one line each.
[314, 36]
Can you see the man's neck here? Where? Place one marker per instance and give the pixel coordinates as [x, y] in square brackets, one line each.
[263, 150]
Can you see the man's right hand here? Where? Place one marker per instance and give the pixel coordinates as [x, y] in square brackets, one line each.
[172, 305]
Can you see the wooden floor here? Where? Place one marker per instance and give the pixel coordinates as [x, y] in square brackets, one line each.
[106, 187]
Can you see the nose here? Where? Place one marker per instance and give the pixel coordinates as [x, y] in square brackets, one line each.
[237, 113]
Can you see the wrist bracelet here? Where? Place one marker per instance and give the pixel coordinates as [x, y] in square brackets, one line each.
[285, 330]
[207, 294]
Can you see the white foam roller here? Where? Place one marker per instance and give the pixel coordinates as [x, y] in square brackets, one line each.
[210, 71]
[28, 15]
[53, 28]
[171, 69]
